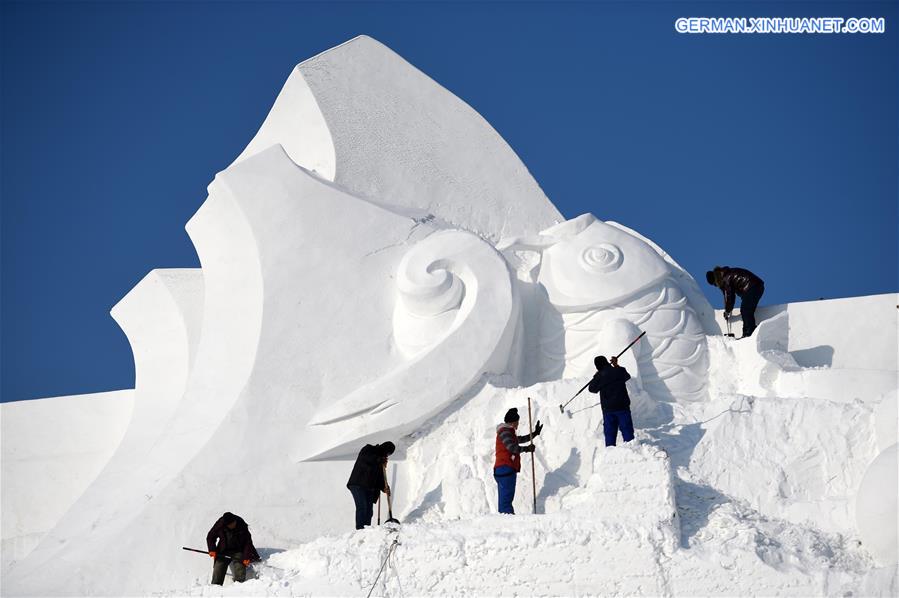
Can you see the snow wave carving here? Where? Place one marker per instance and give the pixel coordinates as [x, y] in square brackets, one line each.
[602, 286]
[229, 335]
[296, 123]
[361, 116]
[160, 316]
[454, 320]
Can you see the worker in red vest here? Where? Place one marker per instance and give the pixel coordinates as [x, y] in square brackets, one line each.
[508, 457]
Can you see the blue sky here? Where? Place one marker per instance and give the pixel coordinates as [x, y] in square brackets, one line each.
[779, 153]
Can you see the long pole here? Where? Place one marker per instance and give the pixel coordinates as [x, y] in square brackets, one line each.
[584, 387]
[533, 470]
[562, 407]
[206, 552]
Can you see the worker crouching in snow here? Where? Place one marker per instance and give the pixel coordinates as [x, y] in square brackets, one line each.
[508, 458]
[367, 479]
[609, 382]
[229, 543]
[742, 282]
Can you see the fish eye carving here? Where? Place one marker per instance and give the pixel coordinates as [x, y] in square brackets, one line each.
[601, 259]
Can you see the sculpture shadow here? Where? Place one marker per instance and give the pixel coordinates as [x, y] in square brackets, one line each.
[432, 499]
[559, 478]
[814, 357]
[695, 502]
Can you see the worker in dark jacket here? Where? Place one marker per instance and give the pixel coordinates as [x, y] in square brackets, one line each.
[742, 282]
[508, 458]
[609, 382]
[229, 543]
[367, 480]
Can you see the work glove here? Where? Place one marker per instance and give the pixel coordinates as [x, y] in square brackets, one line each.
[246, 562]
[614, 362]
[538, 428]
[528, 449]
[212, 553]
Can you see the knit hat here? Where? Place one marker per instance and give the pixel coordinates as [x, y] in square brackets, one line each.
[710, 277]
[387, 448]
[511, 416]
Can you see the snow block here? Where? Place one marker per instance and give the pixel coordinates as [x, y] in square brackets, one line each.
[796, 459]
[877, 507]
[576, 474]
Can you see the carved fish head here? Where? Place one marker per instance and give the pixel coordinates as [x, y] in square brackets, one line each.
[588, 263]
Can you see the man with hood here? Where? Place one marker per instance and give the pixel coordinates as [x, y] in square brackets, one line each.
[609, 382]
[742, 282]
[367, 479]
[229, 543]
[508, 458]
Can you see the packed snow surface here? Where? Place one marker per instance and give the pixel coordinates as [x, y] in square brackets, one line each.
[646, 518]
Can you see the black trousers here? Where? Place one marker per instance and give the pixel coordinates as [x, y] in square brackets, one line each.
[221, 564]
[364, 498]
[749, 302]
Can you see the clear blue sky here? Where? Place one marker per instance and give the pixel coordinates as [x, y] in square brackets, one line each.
[777, 153]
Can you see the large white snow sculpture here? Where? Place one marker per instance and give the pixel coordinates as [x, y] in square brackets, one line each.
[603, 286]
[361, 116]
[352, 292]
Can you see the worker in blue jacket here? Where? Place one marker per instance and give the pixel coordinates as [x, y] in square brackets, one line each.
[609, 382]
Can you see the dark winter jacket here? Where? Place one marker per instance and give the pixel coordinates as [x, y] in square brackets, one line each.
[508, 447]
[735, 281]
[368, 472]
[609, 383]
[228, 541]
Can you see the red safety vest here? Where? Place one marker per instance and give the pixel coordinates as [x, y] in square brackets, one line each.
[503, 456]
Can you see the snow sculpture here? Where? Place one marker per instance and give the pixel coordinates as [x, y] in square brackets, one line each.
[362, 117]
[877, 506]
[454, 320]
[351, 292]
[602, 286]
[161, 317]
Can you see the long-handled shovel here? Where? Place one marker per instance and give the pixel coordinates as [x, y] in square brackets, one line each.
[623, 351]
[206, 552]
[729, 333]
[390, 518]
[583, 388]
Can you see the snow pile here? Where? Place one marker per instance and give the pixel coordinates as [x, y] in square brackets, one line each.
[613, 521]
[800, 459]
